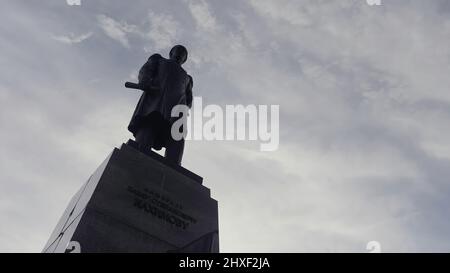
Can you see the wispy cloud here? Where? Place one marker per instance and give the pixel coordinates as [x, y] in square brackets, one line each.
[72, 38]
[116, 30]
[202, 14]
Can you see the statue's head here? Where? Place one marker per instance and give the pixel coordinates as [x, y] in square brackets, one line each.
[179, 54]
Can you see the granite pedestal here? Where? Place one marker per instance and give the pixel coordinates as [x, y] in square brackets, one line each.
[138, 202]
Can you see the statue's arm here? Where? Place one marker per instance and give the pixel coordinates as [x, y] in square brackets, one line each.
[189, 92]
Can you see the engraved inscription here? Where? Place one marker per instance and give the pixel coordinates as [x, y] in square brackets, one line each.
[162, 207]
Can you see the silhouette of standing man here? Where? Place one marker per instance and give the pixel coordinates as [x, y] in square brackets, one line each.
[165, 84]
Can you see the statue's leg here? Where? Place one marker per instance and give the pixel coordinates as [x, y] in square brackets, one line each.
[174, 150]
[145, 137]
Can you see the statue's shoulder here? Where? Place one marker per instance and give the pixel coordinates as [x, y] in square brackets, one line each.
[155, 57]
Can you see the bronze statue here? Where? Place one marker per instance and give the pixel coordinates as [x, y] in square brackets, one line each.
[165, 84]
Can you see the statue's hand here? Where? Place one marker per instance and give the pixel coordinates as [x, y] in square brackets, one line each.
[148, 86]
[132, 85]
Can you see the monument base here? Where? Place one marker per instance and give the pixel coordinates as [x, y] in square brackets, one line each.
[138, 202]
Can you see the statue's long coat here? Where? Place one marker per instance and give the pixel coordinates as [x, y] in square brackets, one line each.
[167, 84]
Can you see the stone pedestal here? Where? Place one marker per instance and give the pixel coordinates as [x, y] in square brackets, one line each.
[138, 202]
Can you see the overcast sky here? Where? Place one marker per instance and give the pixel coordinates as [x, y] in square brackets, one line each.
[364, 114]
